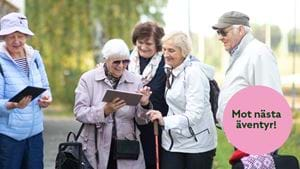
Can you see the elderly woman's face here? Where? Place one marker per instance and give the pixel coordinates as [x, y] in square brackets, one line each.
[172, 54]
[15, 43]
[116, 66]
[146, 47]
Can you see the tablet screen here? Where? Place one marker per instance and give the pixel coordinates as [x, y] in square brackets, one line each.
[130, 98]
[29, 90]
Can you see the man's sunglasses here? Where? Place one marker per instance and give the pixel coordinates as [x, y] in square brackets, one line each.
[124, 62]
[222, 32]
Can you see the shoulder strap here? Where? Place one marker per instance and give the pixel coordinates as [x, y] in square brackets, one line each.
[36, 63]
[79, 131]
[96, 140]
[1, 70]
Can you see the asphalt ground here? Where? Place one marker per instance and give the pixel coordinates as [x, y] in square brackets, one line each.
[55, 132]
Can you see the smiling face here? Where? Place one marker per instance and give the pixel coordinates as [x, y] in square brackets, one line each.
[231, 36]
[15, 44]
[172, 54]
[146, 47]
[116, 66]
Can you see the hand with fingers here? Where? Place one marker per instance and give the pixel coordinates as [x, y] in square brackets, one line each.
[113, 106]
[45, 101]
[21, 104]
[156, 115]
[146, 92]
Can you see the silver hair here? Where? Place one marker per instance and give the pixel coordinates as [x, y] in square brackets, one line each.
[115, 48]
[246, 28]
[180, 40]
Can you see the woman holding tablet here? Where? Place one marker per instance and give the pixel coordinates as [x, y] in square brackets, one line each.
[21, 121]
[108, 121]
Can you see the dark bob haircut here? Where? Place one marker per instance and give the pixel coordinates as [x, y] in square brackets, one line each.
[146, 30]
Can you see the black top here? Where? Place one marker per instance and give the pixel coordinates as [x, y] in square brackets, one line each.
[157, 98]
[143, 63]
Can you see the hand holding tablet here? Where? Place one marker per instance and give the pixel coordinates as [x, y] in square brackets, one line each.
[27, 91]
[130, 98]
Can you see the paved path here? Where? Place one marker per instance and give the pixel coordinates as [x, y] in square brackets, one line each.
[55, 132]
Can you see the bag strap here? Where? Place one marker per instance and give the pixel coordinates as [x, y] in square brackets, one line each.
[96, 139]
[69, 135]
[79, 131]
[1, 70]
[114, 129]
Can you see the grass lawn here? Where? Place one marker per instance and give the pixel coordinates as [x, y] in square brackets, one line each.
[224, 149]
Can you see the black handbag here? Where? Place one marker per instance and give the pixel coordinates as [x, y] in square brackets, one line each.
[70, 154]
[127, 149]
[124, 148]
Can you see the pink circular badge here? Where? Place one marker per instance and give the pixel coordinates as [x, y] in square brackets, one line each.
[257, 120]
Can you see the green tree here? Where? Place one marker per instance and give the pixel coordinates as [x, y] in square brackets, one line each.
[66, 34]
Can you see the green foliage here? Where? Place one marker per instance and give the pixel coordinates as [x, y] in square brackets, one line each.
[213, 51]
[68, 38]
[294, 40]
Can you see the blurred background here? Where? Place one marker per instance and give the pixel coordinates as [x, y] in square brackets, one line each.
[70, 34]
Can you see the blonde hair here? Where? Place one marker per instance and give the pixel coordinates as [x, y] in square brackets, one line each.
[180, 40]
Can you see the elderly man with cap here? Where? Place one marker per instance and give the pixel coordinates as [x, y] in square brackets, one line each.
[251, 61]
[111, 120]
[21, 123]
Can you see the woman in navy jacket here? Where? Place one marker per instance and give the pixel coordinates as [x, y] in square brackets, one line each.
[147, 61]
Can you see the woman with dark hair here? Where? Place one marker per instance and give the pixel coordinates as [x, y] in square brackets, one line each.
[147, 61]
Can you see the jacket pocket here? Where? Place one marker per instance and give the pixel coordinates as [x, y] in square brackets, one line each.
[193, 131]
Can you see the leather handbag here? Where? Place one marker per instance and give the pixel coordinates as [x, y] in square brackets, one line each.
[70, 154]
[126, 149]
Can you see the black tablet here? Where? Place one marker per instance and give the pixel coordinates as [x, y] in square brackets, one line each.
[130, 98]
[29, 90]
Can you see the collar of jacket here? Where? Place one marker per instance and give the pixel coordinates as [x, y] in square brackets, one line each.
[127, 77]
[187, 62]
[240, 48]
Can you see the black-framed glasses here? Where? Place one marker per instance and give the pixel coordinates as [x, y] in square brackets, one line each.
[124, 62]
[223, 32]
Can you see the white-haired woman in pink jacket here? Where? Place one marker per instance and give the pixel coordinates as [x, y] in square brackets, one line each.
[110, 117]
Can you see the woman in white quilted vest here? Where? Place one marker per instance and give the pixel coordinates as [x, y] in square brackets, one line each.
[21, 122]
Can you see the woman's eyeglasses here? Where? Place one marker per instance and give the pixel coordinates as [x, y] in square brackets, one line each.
[222, 32]
[124, 62]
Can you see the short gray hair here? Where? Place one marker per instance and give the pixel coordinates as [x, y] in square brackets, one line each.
[180, 40]
[246, 28]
